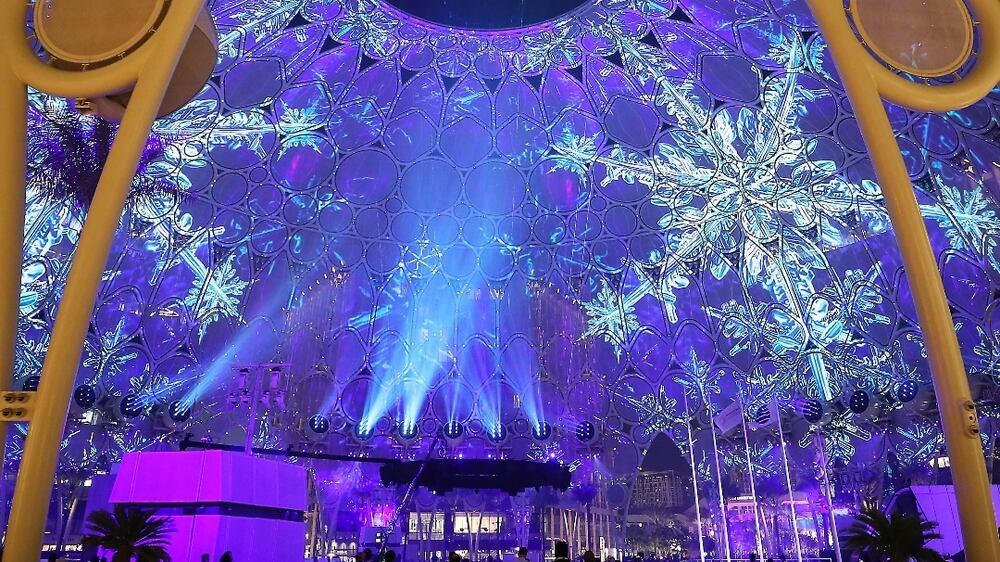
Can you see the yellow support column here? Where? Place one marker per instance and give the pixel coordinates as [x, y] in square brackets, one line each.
[150, 69]
[866, 81]
[13, 116]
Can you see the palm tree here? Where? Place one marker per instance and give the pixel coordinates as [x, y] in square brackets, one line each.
[129, 531]
[895, 538]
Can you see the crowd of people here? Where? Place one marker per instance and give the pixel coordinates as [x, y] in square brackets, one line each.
[561, 551]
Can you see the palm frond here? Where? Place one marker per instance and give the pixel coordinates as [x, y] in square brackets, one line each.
[892, 537]
[68, 156]
[130, 531]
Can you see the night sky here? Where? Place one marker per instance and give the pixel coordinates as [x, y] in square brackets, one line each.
[492, 14]
[663, 454]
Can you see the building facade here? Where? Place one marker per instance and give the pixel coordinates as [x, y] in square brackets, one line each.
[660, 489]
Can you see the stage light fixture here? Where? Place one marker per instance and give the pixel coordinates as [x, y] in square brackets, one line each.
[243, 378]
[407, 430]
[85, 396]
[542, 431]
[30, 384]
[453, 430]
[763, 416]
[811, 410]
[907, 391]
[585, 431]
[497, 433]
[131, 406]
[363, 434]
[179, 412]
[319, 424]
[859, 401]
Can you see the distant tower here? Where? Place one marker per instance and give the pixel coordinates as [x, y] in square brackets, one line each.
[660, 489]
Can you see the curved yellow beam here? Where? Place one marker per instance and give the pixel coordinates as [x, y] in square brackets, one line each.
[13, 114]
[866, 81]
[18, 67]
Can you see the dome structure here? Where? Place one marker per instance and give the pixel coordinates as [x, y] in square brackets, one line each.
[549, 241]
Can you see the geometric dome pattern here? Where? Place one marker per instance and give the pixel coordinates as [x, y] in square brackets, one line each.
[634, 216]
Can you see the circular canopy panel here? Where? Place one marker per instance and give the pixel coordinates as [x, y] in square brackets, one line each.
[484, 15]
[922, 37]
[81, 35]
[67, 28]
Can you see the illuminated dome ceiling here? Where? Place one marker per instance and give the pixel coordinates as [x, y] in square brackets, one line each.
[631, 216]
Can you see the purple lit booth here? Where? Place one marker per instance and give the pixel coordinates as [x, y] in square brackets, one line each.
[220, 501]
[938, 504]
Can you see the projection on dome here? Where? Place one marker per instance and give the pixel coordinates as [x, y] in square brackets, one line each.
[550, 242]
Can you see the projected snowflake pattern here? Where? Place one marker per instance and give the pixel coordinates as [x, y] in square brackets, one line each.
[671, 196]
